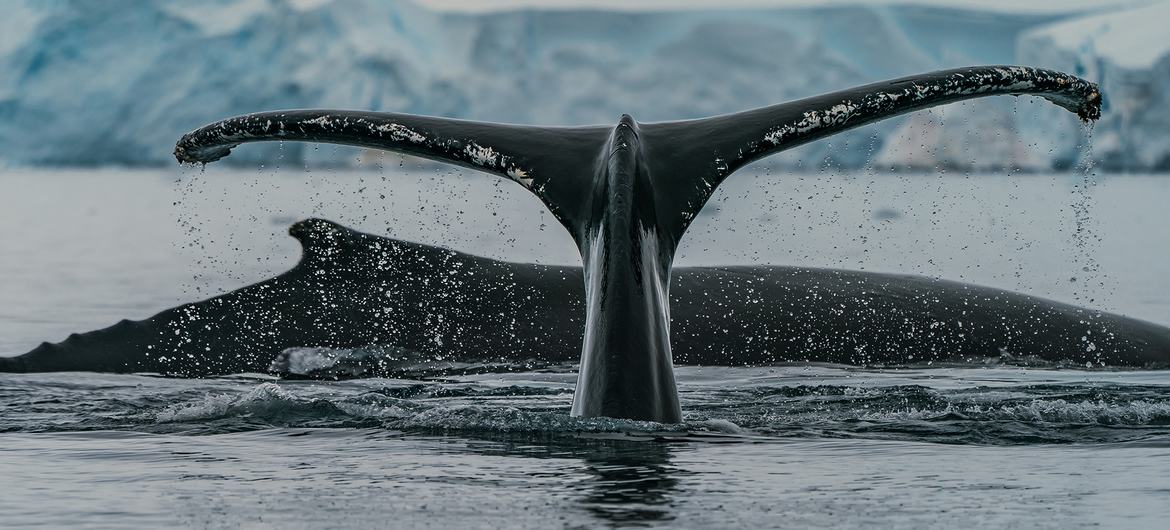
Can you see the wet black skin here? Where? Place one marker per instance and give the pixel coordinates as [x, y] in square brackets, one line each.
[626, 369]
[626, 194]
[352, 290]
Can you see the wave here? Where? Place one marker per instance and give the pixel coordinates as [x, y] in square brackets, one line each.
[334, 364]
[729, 407]
[385, 361]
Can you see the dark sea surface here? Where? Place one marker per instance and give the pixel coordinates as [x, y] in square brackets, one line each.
[773, 446]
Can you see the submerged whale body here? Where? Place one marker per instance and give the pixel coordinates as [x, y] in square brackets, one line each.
[356, 290]
[626, 195]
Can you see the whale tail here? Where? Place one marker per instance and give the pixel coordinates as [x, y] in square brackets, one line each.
[627, 193]
[689, 158]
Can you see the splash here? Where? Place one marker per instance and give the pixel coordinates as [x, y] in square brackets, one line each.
[988, 406]
[1085, 239]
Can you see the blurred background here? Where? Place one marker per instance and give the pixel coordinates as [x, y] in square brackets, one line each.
[85, 83]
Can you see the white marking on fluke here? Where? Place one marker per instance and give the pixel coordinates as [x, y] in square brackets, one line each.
[401, 133]
[521, 176]
[482, 156]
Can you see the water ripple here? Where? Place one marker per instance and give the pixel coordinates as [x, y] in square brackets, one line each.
[963, 406]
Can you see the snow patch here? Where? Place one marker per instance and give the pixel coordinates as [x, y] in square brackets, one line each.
[136, 80]
[218, 18]
[18, 24]
[1135, 39]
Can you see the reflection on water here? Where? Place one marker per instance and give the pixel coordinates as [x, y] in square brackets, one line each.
[621, 478]
[630, 483]
[297, 478]
[807, 445]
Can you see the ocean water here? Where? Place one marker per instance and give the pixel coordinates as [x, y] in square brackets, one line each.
[790, 445]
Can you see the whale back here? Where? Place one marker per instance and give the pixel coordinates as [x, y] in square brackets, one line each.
[514, 313]
[627, 194]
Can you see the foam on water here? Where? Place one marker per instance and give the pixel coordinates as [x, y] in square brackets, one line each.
[983, 406]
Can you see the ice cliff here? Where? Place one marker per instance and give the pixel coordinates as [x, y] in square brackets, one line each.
[1128, 54]
[91, 83]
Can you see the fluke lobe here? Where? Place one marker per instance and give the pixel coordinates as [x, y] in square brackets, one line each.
[627, 193]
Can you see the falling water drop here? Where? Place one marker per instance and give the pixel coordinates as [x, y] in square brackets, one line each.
[1084, 236]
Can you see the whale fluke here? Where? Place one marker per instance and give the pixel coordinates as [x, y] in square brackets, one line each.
[534, 157]
[627, 193]
[699, 154]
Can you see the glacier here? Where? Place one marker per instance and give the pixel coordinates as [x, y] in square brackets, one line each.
[1128, 54]
[109, 83]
